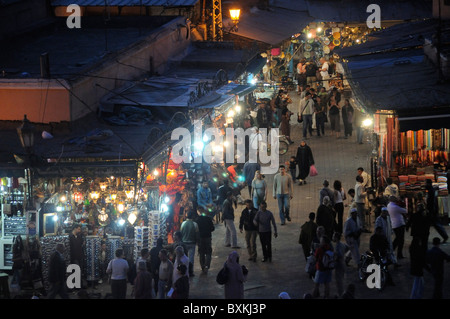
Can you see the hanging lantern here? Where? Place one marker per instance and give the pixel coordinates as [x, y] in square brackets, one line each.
[121, 207]
[103, 217]
[132, 218]
[129, 194]
[113, 196]
[103, 187]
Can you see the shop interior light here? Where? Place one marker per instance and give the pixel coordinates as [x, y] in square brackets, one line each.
[59, 208]
[164, 208]
[103, 187]
[230, 113]
[226, 144]
[319, 29]
[132, 218]
[113, 196]
[205, 138]
[55, 218]
[121, 221]
[155, 172]
[237, 108]
[129, 194]
[63, 198]
[367, 122]
[199, 145]
[166, 200]
[309, 35]
[120, 207]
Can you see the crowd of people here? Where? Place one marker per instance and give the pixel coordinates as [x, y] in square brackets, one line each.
[324, 230]
[165, 270]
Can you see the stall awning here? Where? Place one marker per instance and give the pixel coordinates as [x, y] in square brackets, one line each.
[424, 122]
[274, 26]
[88, 169]
[11, 171]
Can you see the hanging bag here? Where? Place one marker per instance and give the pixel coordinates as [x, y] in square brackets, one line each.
[300, 117]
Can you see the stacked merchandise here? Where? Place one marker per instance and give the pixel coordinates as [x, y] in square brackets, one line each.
[157, 226]
[141, 240]
[93, 249]
[48, 245]
[15, 225]
[112, 244]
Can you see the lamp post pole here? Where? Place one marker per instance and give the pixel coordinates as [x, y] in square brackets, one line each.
[26, 135]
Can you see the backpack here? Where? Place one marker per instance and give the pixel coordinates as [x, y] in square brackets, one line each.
[132, 274]
[222, 276]
[331, 68]
[328, 260]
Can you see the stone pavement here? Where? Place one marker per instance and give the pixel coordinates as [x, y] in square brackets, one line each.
[334, 159]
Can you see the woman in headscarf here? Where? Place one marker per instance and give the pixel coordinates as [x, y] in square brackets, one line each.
[234, 287]
[326, 216]
[304, 159]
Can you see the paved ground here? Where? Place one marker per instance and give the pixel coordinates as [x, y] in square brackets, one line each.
[335, 159]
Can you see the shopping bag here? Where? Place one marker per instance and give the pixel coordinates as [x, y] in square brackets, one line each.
[312, 170]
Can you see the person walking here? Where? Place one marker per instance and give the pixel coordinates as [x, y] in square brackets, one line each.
[164, 274]
[307, 233]
[433, 214]
[263, 219]
[384, 222]
[347, 118]
[143, 282]
[360, 200]
[397, 215]
[304, 159]
[190, 237]
[352, 233]
[118, 269]
[57, 273]
[249, 170]
[259, 189]
[334, 111]
[222, 192]
[251, 232]
[339, 198]
[325, 217]
[435, 258]
[326, 191]
[283, 192]
[155, 262]
[181, 285]
[323, 274]
[419, 223]
[180, 258]
[234, 287]
[205, 229]
[339, 269]
[418, 264]
[228, 220]
[307, 108]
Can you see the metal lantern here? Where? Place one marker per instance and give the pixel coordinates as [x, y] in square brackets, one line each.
[26, 134]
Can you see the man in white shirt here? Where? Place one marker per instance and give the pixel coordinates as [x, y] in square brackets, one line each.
[360, 200]
[118, 268]
[324, 73]
[397, 215]
[307, 111]
[391, 189]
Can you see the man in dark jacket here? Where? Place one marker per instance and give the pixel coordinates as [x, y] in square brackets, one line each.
[57, 274]
[435, 258]
[228, 220]
[307, 233]
[251, 231]
[205, 229]
[155, 262]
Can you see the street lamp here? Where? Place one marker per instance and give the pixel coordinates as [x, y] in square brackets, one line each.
[234, 15]
[26, 136]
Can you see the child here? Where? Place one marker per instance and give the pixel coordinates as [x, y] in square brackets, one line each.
[293, 167]
[181, 286]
